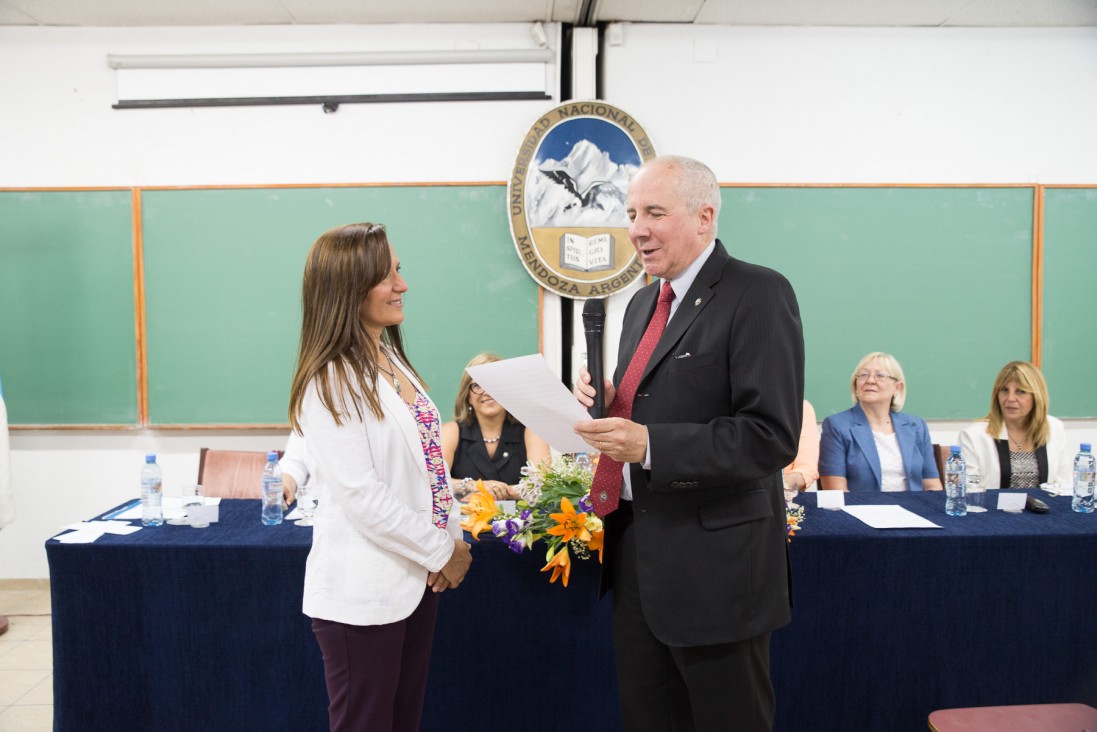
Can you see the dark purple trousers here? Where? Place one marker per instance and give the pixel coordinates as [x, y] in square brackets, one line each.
[377, 674]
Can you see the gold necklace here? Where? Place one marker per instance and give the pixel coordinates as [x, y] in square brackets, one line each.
[391, 371]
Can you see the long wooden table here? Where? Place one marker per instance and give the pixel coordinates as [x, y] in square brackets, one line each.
[176, 628]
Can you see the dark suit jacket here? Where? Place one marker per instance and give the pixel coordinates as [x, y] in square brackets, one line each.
[722, 398]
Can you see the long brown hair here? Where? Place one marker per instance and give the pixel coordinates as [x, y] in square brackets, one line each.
[462, 410]
[336, 349]
[1029, 378]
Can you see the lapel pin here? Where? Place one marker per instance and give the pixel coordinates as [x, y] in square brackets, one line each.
[696, 302]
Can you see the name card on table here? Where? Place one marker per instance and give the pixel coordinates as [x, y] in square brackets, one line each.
[199, 516]
[1011, 502]
[831, 500]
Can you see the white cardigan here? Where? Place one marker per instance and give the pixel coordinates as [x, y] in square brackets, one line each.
[374, 541]
[982, 452]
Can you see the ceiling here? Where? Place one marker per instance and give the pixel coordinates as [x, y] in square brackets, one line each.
[884, 13]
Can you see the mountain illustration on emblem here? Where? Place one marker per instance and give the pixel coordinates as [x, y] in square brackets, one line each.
[584, 189]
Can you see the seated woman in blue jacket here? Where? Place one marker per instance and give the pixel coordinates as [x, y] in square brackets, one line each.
[874, 446]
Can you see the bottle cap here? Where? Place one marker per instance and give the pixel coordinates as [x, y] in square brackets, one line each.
[272, 455]
[150, 458]
[955, 449]
[1086, 447]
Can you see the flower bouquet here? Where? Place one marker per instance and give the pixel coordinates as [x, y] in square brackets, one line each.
[794, 516]
[554, 507]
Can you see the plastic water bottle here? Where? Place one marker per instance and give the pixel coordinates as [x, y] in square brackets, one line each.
[272, 490]
[955, 483]
[152, 494]
[1083, 480]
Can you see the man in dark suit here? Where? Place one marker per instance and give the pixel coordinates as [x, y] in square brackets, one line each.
[696, 552]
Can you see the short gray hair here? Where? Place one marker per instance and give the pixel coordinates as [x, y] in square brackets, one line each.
[697, 184]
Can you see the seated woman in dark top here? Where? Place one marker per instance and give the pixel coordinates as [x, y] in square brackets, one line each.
[485, 442]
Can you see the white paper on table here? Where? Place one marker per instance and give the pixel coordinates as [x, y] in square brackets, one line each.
[527, 388]
[889, 517]
[79, 537]
[1056, 489]
[122, 528]
[171, 505]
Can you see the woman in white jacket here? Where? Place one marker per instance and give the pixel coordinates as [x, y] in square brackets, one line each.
[1018, 445]
[387, 539]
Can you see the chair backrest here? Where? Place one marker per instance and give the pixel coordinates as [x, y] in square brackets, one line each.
[940, 454]
[232, 473]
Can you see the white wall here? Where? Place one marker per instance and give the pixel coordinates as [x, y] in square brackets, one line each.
[758, 104]
[872, 105]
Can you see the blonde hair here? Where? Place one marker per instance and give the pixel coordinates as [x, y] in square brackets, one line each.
[1029, 378]
[462, 410]
[336, 349]
[892, 367]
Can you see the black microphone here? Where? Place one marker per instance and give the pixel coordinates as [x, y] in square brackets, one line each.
[594, 318]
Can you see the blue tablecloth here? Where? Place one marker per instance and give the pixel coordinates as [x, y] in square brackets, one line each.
[176, 628]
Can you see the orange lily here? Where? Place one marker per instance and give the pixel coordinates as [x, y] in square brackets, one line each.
[480, 509]
[595, 544]
[569, 525]
[560, 565]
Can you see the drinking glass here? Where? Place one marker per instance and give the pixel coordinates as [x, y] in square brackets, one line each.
[306, 504]
[190, 495]
[976, 493]
[790, 491]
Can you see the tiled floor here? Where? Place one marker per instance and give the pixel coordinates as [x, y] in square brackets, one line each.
[26, 661]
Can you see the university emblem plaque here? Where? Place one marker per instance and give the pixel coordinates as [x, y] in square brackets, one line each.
[566, 197]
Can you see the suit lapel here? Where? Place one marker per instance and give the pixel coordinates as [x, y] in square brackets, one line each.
[862, 435]
[397, 409]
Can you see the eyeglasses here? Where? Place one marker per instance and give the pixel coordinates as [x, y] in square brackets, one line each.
[476, 388]
[877, 377]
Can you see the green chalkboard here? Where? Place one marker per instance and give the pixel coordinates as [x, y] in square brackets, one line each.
[938, 277]
[1069, 352]
[67, 344]
[223, 276]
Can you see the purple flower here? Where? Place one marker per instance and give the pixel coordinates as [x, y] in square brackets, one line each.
[585, 504]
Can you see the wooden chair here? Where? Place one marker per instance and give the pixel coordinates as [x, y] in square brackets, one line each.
[232, 473]
[1019, 718]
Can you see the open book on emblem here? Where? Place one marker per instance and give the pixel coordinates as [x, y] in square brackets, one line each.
[586, 254]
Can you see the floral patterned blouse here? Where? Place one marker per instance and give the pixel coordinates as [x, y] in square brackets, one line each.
[426, 417]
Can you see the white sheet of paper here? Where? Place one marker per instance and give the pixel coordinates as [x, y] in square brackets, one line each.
[79, 537]
[830, 499]
[1012, 502]
[527, 388]
[105, 527]
[889, 517]
[1056, 489]
[172, 506]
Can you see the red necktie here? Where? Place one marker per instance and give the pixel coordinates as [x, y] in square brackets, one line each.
[605, 490]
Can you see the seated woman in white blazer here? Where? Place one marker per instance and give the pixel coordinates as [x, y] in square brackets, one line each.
[1017, 445]
[387, 539]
